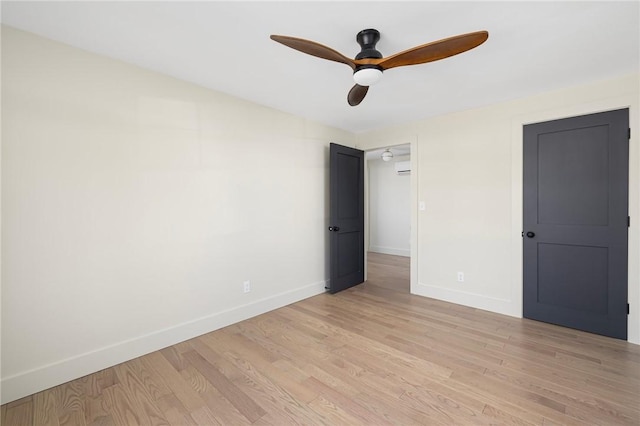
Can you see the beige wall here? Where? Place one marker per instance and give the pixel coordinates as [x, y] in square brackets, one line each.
[135, 205]
[469, 174]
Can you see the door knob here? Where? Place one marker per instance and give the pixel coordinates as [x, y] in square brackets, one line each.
[334, 228]
[531, 234]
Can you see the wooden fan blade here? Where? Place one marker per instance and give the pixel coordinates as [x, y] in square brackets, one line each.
[435, 50]
[314, 49]
[357, 94]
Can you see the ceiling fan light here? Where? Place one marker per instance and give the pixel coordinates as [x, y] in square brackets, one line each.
[367, 76]
[387, 155]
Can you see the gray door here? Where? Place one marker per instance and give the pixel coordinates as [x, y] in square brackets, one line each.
[347, 217]
[576, 183]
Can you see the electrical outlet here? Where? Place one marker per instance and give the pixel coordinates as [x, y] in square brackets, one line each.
[460, 277]
[247, 286]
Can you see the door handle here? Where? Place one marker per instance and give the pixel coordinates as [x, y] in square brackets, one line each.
[531, 234]
[334, 228]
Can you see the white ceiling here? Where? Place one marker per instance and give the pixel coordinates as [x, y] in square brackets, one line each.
[533, 47]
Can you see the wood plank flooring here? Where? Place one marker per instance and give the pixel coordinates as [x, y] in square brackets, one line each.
[368, 355]
[387, 271]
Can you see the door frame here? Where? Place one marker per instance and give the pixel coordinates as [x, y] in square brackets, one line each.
[517, 140]
[372, 144]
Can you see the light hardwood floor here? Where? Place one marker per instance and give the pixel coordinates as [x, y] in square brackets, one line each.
[368, 355]
[386, 271]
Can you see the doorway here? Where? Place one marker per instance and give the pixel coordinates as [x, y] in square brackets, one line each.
[388, 217]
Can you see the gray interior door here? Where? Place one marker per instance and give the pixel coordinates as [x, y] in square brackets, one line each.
[347, 217]
[576, 183]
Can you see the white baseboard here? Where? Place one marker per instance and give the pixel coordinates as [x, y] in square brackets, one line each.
[38, 379]
[492, 304]
[391, 250]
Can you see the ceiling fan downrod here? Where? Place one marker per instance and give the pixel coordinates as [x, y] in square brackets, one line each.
[367, 39]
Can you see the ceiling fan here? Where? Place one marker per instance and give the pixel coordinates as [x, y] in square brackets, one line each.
[369, 64]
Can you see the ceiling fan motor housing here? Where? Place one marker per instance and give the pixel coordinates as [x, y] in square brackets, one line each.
[367, 40]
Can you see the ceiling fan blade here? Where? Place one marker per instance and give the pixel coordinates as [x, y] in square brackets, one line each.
[435, 50]
[314, 49]
[357, 94]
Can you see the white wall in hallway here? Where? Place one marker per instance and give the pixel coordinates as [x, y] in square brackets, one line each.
[389, 208]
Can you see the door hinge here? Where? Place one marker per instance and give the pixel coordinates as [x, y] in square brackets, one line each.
[627, 309]
[628, 221]
[629, 133]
